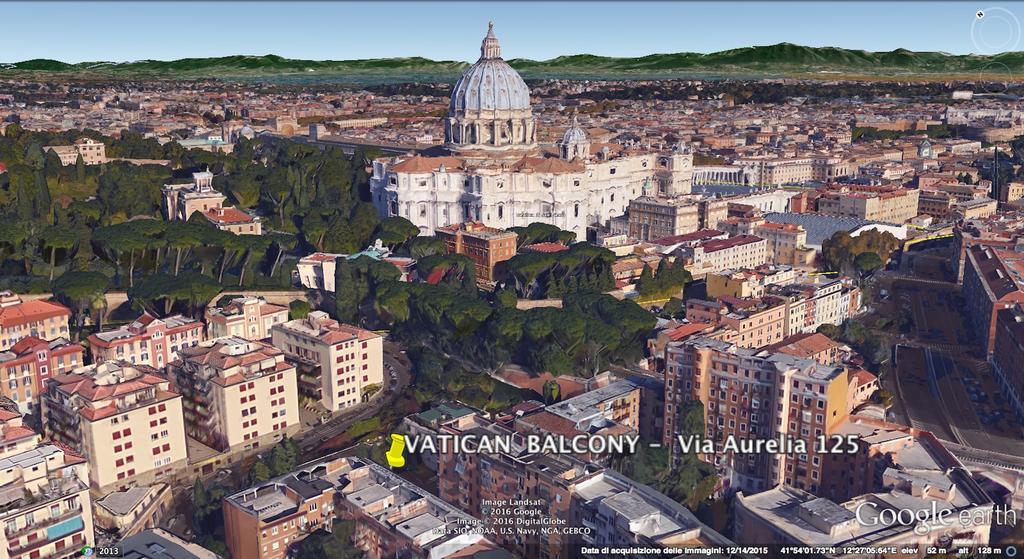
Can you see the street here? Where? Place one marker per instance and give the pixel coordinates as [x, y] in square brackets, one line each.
[397, 375]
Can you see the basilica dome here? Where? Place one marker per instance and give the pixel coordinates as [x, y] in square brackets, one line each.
[490, 84]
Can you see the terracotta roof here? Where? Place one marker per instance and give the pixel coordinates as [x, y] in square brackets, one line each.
[805, 345]
[31, 311]
[548, 165]
[687, 330]
[722, 244]
[420, 164]
[228, 215]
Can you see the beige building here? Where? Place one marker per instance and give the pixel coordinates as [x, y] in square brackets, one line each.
[20, 319]
[338, 362]
[92, 152]
[743, 251]
[237, 394]
[234, 220]
[755, 394]
[787, 243]
[390, 516]
[46, 509]
[886, 204]
[895, 469]
[774, 172]
[249, 318]
[654, 218]
[124, 419]
[182, 200]
[126, 513]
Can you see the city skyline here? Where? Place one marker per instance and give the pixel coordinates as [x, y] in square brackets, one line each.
[447, 31]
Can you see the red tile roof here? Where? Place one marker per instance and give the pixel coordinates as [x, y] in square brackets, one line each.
[228, 215]
[31, 311]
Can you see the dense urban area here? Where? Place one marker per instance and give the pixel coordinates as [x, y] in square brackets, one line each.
[269, 281]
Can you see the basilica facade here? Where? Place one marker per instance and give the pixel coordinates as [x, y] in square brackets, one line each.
[495, 172]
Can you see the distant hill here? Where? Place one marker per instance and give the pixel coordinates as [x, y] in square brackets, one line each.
[779, 60]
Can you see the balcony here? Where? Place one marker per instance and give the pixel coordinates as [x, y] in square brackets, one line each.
[54, 527]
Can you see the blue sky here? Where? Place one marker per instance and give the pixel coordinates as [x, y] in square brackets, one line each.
[120, 31]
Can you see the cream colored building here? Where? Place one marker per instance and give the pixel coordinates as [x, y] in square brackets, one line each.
[182, 200]
[47, 511]
[894, 205]
[347, 359]
[20, 319]
[124, 419]
[743, 251]
[774, 172]
[92, 152]
[238, 394]
[787, 243]
[498, 174]
[248, 318]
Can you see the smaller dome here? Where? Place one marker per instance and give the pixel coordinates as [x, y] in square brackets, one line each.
[575, 133]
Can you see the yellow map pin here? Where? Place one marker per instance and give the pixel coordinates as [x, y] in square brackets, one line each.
[395, 456]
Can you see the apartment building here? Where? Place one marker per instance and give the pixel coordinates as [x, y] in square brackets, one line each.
[896, 469]
[390, 516]
[147, 340]
[817, 301]
[1008, 354]
[993, 280]
[91, 151]
[126, 420]
[616, 510]
[47, 511]
[337, 362]
[25, 368]
[787, 243]
[183, 200]
[485, 246]
[752, 394]
[158, 543]
[743, 251]
[20, 319]
[609, 411]
[755, 322]
[816, 346]
[748, 283]
[15, 437]
[250, 318]
[237, 394]
[885, 204]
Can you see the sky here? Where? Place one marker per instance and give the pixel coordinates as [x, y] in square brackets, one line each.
[124, 31]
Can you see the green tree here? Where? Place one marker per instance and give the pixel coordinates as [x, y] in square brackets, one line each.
[82, 292]
[259, 473]
[867, 262]
[58, 238]
[298, 308]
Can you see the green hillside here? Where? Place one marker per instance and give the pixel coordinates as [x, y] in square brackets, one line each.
[783, 59]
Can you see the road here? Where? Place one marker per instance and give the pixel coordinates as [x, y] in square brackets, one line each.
[397, 371]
